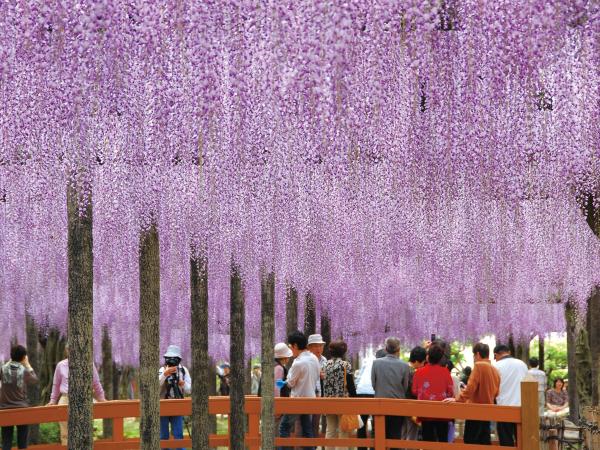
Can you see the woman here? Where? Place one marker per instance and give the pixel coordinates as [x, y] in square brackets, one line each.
[282, 355]
[434, 383]
[557, 400]
[16, 375]
[338, 382]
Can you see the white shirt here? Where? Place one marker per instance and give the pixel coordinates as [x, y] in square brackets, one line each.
[512, 372]
[184, 375]
[363, 379]
[540, 377]
[304, 375]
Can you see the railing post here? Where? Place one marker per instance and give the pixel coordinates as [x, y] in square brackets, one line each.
[117, 434]
[254, 430]
[379, 425]
[530, 419]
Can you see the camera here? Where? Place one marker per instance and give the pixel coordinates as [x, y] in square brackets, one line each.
[172, 361]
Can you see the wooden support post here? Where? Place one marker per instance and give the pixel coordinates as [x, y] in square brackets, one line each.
[117, 431]
[253, 431]
[379, 424]
[553, 441]
[530, 418]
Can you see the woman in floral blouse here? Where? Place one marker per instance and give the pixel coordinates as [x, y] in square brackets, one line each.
[335, 385]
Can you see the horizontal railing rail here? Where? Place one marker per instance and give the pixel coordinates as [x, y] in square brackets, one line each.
[525, 417]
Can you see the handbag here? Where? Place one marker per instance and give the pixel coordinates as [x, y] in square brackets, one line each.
[349, 422]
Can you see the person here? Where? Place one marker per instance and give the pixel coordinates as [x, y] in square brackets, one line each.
[255, 382]
[364, 389]
[390, 378]
[16, 375]
[483, 388]
[416, 360]
[338, 382]
[316, 345]
[557, 400]
[282, 354]
[223, 372]
[175, 381]
[60, 390]
[433, 383]
[539, 376]
[302, 378]
[466, 373]
[512, 372]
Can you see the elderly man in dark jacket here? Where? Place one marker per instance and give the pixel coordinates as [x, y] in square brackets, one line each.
[390, 378]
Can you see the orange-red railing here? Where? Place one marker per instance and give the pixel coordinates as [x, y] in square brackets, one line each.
[526, 417]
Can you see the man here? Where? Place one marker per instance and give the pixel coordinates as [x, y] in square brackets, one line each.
[390, 379]
[256, 375]
[60, 390]
[539, 376]
[316, 345]
[15, 376]
[223, 372]
[416, 361]
[302, 378]
[174, 380]
[483, 388]
[364, 389]
[512, 372]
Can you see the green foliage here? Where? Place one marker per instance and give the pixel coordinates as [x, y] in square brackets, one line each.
[555, 359]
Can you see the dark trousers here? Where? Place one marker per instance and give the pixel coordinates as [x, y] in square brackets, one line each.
[7, 436]
[477, 432]
[393, 427]
[507, 434]
[435, 431]
[362, 431]
[286, 426]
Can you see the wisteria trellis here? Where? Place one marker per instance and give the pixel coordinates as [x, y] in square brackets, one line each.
[416, 164]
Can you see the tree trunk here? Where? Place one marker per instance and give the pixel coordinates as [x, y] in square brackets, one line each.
[237, 361]
[579, 365]
[33, 391]
[149, 339]
[107, 379]
[200, 358]
[541, 352]
[80, 321]
[326, 333]
[53, 350]
[593, 330]
[310, 315]
[212, 386]
[116, 381]
[291, 310]
[267, 361]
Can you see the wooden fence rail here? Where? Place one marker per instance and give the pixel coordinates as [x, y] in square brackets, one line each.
[526, 418]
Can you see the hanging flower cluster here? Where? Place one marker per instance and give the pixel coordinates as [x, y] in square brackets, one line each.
[417, 166]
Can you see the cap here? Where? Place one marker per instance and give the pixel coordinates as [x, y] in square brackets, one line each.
[173, 351]
[315, 339]
[282, 351]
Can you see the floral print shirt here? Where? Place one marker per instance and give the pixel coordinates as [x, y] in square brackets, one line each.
[333, 384]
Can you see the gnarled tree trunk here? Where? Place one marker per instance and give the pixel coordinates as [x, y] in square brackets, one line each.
[80, 321]
[237, 361]
[200, 359]
[267, 284]
[291, 310]
[107, 379]
[310, 314]
[326, 332]
[149, 339]
[33, 391]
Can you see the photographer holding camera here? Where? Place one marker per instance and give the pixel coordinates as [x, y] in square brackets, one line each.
[175, 381]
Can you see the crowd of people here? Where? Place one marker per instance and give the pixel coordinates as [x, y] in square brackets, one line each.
[427, 375]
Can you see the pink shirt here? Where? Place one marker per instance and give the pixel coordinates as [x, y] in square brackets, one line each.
[60, 385]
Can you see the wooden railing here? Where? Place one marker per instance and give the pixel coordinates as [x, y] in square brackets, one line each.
[526, 418]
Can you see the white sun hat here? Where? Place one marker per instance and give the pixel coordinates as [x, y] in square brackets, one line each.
[282, 351]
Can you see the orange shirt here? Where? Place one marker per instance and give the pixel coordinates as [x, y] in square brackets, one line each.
[484, 384]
